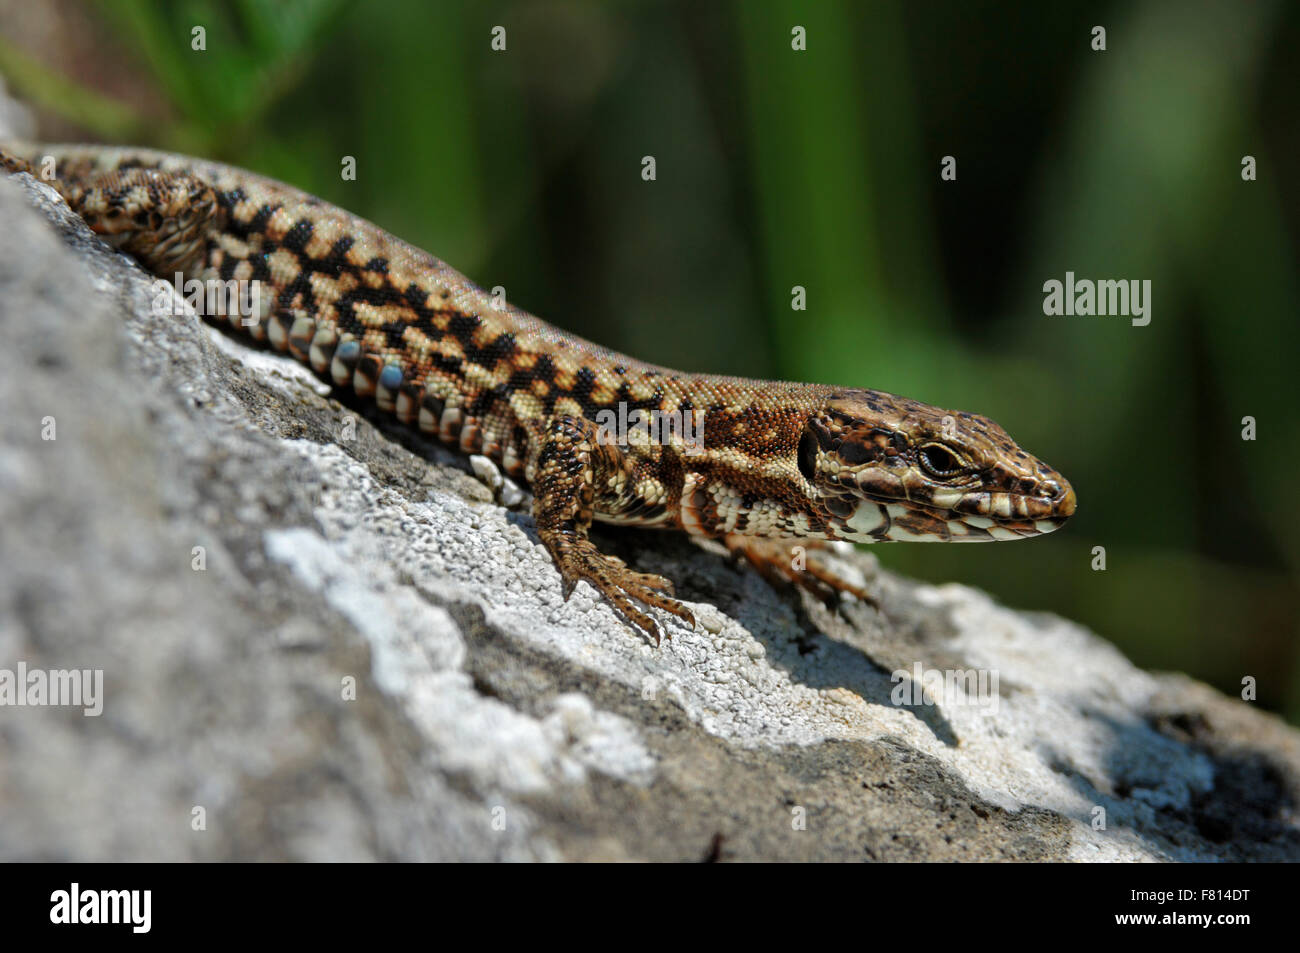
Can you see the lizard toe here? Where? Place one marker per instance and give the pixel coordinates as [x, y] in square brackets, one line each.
[626, 590]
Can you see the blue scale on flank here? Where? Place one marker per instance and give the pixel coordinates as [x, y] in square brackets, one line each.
[390, 379]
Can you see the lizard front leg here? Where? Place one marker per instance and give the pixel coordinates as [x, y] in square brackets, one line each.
[573, 471]
[785, 562]
[713, 509]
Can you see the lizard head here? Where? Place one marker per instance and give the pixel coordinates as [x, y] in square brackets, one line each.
[889, 468]
[161, 218]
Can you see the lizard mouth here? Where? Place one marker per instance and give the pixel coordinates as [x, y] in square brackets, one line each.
[1029, 497]
[1054, 502]
[954, 516]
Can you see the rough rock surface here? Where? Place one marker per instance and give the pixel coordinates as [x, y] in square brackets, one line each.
[375, 661]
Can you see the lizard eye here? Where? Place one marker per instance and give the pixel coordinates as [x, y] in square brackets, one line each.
[940, 462]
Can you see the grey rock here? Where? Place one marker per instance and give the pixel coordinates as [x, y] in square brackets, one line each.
[368, 657]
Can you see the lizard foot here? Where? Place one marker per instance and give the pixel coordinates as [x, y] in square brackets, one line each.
[624, 588]
[785, 562]
[504, 490]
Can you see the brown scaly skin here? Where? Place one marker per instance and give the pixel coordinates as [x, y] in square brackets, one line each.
[780, 462]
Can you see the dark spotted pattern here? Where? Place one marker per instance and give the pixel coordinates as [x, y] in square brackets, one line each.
[367, 311]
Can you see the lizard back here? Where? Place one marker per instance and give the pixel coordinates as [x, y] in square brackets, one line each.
[368, 310]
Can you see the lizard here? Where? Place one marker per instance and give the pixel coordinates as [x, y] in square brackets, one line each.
[769, 463]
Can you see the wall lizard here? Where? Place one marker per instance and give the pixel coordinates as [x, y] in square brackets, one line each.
[771, 462]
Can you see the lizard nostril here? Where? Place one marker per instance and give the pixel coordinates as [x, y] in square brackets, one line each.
[1066, 502]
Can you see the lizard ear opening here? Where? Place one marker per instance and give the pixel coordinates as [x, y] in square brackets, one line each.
[808, 454]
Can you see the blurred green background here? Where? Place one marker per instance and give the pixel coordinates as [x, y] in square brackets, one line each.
[821, 168]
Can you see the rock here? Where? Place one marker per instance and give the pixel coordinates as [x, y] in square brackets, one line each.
[322, 638]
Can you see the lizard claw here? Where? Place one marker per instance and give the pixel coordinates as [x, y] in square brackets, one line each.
[623, 587]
